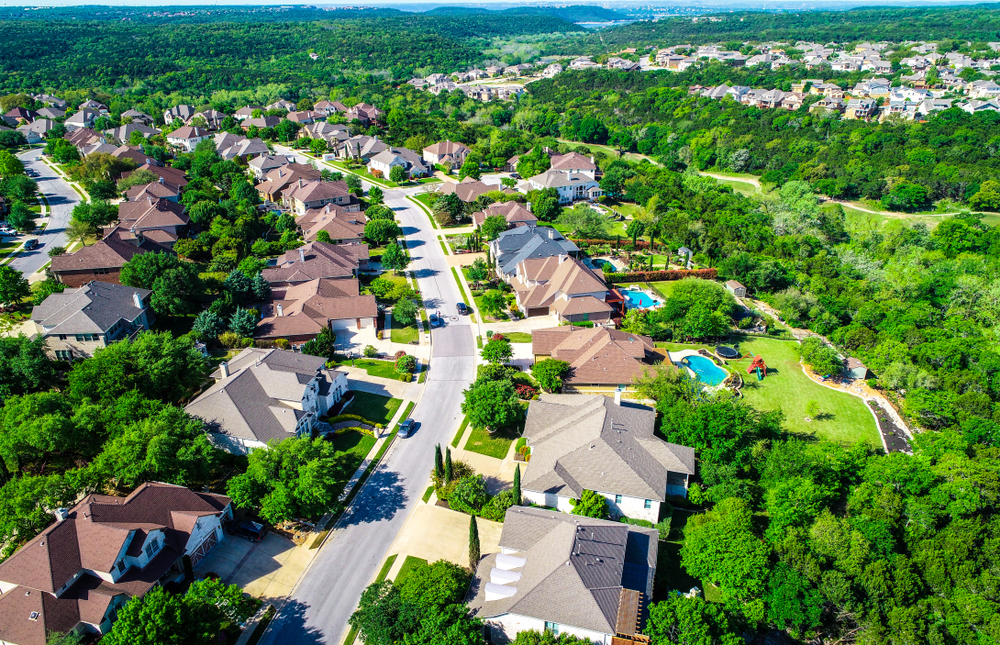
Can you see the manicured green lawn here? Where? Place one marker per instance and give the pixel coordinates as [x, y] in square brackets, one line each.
[404, 333]
[664, 288]
[409, 564]
[842, 417]
[481, 441]
[374, 407]
[353, 443]
[461, 431]
[374, 367]
[518, 336]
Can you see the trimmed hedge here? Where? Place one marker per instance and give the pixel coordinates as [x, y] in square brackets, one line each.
[352, 417]
[661, 276]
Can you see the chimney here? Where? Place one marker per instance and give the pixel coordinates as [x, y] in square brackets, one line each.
[61, 514]
[281, 312]
[563, 258]
[302, 254]
[137, 300]
[224, 369]
[618, 395]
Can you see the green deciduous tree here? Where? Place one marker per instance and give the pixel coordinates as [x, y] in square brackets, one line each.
[21, 217]
[591, 504]
[405, 311]
[397, 174]
[676, 620]
[381, 231]
[549, 372]
[10, 164]
[493, 226]
[492, 405]
[375, 196]
[584, 221]
[497, 352]
[394, 257]
[494, 302]
[14, 287]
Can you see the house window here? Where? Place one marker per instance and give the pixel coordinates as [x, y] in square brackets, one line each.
[152, 548]
[62, 336]
[553, 628]
[64, 354]
[121, 566]
[648, 505]
[618, 499]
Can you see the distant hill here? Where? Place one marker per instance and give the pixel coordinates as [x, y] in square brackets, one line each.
[575, 13]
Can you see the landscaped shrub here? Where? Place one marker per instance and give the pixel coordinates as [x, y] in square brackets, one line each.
[406, 364]
[496, 508]
[521, 443]
[460, 470]
[469, 495]
[497, 336]
[660, 276]
[370, 351]
[283, 343]
[352, 417]
[525, 392]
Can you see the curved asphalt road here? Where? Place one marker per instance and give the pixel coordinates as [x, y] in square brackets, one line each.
[62, 198]
[327, 594]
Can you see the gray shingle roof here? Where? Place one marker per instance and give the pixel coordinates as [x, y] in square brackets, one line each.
[588, 442]
[524, 242]
[575, 568]
[92, 308]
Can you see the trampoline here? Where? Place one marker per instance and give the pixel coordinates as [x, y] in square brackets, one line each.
[726, 352]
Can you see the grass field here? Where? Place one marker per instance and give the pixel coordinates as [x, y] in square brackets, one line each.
[664, 288]
[374, 367]
[842, 417]
[481, 441]
[404, 333]
[374, 407]
[461, 431]
[409, 564]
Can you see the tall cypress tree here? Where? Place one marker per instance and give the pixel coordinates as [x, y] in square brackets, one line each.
[517, 485]
[447, 466]
[438, 464]
[473, 543]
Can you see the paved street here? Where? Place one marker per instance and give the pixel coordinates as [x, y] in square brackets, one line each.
[318, 609]
[62, 198]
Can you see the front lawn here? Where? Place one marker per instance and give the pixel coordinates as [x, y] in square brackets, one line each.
[842, 417]
[404, 333]
[481, 441]
[518, 336]
[354, 444]
[374, 407]
[409, 564]
[374, 367]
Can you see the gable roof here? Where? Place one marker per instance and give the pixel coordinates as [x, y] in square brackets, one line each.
[572, 161]
[308, 307]
[112, 252]
[188, 132]
[92, 308]
[518, 244]
[515, 213]
[147, 212]
[339, 223]
[596, 355]
[283, 176]
[541, 281]
[468, 190]
[576, 570]
[447, 148]
[258, 400]
[316, 190]
[587, 442]
[317, 260]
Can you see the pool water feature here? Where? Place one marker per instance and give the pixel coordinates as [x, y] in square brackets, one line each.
[707, 372]
[638, 299]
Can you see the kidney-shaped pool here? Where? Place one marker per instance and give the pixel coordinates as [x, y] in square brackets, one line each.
[707, 372]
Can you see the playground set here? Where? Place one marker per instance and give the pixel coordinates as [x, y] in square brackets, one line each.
[759, 366]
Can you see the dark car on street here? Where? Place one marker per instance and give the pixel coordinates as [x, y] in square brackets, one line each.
[462, 309]
[406, 428]
[253, 531]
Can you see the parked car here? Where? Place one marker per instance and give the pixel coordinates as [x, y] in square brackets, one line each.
[406, 428]
[253, 531]
[462, 309]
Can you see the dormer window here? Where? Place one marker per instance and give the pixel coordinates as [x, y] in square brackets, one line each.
[152, 548]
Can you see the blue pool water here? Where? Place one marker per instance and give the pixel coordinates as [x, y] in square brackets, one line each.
[708, 372]
[637, 299]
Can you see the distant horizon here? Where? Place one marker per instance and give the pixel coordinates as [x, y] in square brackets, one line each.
[723, 5]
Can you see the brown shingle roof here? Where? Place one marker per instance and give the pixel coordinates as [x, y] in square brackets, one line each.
[559, 282]
[340, 224]
[317, 260]
[513, 212]
[598, 356]
[149, 213]
[318, 301]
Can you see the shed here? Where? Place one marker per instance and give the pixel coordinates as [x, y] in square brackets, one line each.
[737, 289]
[856, 369]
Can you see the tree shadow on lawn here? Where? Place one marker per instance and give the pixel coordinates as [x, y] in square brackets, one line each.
[381, 498]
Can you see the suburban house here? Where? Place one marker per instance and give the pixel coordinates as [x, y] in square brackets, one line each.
[515, 214]
[78, 321]
[77, 573]
[246, 112]
[304, 117]
[860, 109]
[328, 108]
[263, 164]
[103, 260]
[264, 395]
[332, 133]
[280, 178]
[366, 114]
[622, 64]
[137, 116]
[407, 159]
[37, 130]
[303, 195]
[593, 442]
[123, 133]
[187, 137]
[521, 243]
[96, 106]
[158, 220]
[735, 288]
[446, 152]
[281, 104]
[342, 225]
[828, 103]
[212, 119]
[563, 286]
[360, 147]
[468, 190]
[565, 574]
[317, 260]
[301, 311]
[182, 113]
[136, 154]
[571, 185]
[236, 146]
[52, 113]
[260, 122]
[600, 359]
[83, 119]
[173, 178]
[574, 162]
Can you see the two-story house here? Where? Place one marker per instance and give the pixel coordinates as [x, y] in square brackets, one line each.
[187, 137]
[563, 286]
[264, 395]
[592, 442]
[407, 159]
[446, 151]
[521, 243]
[79, 321]
[77, 573]
[307, 195]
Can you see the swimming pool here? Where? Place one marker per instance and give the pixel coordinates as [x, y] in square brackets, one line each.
[637, 299]
[708, 372]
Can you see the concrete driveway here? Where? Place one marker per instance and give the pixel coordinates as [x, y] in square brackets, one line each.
[267, 569]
